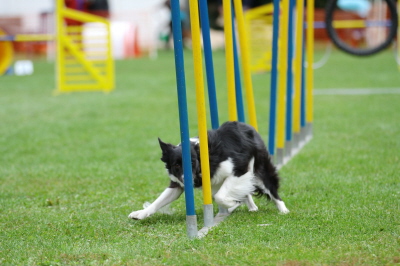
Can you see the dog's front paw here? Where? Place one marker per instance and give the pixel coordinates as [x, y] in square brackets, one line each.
[284, 211]
[253, 208]
[139, 215]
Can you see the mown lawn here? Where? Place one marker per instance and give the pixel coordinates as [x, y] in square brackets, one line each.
[73, 166]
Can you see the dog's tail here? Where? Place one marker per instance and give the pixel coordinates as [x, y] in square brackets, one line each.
[268, 175]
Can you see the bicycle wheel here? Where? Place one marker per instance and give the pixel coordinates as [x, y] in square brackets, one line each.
[362, 27]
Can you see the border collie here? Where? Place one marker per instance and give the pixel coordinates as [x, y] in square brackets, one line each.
[240, 166]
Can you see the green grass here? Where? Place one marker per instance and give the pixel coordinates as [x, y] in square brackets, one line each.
[72, 167]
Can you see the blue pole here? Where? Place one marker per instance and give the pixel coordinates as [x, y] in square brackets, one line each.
[183, 112]
[238, 82]
[289, 88]
[212, 95]
[303, 89]
[274, 80]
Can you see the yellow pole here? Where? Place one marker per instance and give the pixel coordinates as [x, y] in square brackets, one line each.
[244, 50]
[298, 66]
[310, 61]
[230, 70]
[33, 37]
[282, 67]
[200, 100]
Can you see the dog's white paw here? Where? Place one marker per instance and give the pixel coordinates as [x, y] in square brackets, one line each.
[139, 215]
[286, 211]
[253, 208]
[283, 210]
[281, 207]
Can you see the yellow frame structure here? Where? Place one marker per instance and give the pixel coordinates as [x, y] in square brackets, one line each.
[82, 65]
[258, 23]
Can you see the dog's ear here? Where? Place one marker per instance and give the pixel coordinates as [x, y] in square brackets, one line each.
[165, 147]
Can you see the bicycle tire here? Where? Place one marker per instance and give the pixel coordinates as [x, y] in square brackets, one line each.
[329, 10]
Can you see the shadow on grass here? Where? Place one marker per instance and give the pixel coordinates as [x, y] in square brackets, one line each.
[160, 219]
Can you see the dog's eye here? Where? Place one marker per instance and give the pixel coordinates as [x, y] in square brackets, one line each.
[177, 166]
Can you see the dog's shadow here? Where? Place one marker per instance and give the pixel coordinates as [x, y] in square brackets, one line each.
[176, 218]
[161, 219]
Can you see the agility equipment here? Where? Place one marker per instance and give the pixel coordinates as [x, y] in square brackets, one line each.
[83, 62]
[83, 52]
[6, 53]
[291, 96]
[259, 27]
[291, 88]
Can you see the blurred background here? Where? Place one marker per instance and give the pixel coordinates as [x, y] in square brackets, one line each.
[139, 27]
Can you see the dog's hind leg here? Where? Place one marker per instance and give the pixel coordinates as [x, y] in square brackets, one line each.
[273, 195]
[168, 196]
[279, 204]
[250, 203]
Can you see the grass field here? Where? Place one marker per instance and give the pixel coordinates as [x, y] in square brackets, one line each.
[73, 166]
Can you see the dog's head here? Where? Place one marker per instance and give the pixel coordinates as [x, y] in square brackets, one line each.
[172, 157]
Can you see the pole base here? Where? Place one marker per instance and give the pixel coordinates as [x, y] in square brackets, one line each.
[208, 215]
[279, 157]
[191, 226]
[309, 132]
[288, 151]
[296, 143]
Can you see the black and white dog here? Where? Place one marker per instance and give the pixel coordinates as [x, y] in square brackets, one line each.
[240, 166]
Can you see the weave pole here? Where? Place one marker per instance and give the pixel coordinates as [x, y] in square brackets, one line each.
[212, 95]
[298, 67]
[238, 81]
[230, 69]
[303, 131]
[191, 219]
[201, 113]
[289, 85]
[310, 72]
[282, 79]
[244, 52]
[274, 81]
